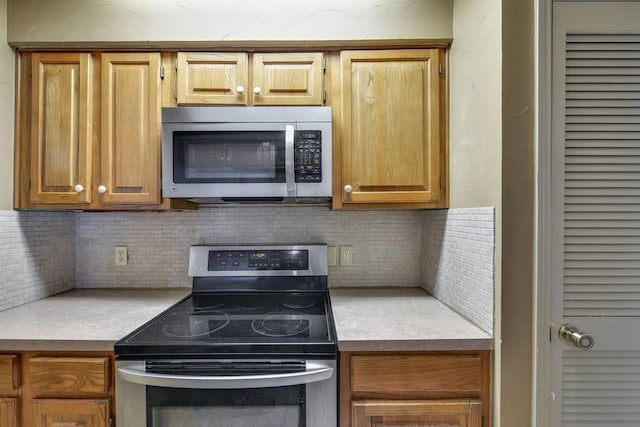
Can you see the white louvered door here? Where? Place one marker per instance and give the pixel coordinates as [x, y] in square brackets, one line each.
[595, 230]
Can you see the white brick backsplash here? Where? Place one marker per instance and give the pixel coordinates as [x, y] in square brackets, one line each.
[447, 252]
[158, 243]
[36, 255]
[458, 261]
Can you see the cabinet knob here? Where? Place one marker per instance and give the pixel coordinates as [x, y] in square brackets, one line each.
[257, 90]
[240, 89]
[348, 188]
[102, 189]
[79, 188]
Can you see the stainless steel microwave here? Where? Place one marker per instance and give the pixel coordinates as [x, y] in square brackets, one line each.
[218, 154]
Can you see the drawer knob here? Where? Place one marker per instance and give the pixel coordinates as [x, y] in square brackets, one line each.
[348, 188]
[79, 188]
[102, 189]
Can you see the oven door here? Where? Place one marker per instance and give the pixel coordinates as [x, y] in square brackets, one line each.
[221, 160]
[196, 393]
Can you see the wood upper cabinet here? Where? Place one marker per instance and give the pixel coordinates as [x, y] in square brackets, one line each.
[229, 78]
[61, 128]
[287, 78]
[88, 131]
[213, 78]
[414, 389]
[392, 148]
[131, 123]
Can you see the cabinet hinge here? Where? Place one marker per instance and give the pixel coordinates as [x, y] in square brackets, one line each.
[162, 73]
[324, 96]
[441, 183]
[111, 422]
[324, 65]
[440, 68]
[29, 184]
[483, 421]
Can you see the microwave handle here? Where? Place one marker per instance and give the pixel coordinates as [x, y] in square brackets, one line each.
[289, 160]
[315, 372]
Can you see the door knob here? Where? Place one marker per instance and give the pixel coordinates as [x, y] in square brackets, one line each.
[102, 189]
[348, 188]
[571, 335]
[79, 188]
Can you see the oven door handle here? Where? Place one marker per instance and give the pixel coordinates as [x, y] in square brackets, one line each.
[314, 372]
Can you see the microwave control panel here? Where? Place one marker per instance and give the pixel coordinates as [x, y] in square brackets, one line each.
[307, 146]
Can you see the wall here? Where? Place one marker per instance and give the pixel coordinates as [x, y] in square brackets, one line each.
[226, 20]
[158, 243]
[6, 113]
[476, 132]
[36, 255]
[475, 112]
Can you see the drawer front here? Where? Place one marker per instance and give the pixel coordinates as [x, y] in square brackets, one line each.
[71, 375]
[416, 374]
[9, 372]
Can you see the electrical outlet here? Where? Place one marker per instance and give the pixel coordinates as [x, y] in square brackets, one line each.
[121, 255]
[346, 256]
[332, 256]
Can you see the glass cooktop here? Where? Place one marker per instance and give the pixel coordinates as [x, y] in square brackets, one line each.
[237, 323]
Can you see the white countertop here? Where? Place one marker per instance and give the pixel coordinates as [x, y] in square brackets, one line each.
[367, 319]
[401, 319]
[82, 319]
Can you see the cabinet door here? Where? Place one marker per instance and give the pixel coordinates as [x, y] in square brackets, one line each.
[70, 412]
[61, 128]
[391, 140]
[212, 78]
[130, 137]
[8, 412]
[416, 413]
[287, 78]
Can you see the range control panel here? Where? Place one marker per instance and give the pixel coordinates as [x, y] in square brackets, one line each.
[251, 260]
[307, 147]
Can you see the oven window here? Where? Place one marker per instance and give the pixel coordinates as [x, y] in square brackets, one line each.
[228, 156]
[263, 407]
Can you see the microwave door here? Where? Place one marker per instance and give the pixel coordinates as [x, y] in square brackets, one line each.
[228, 160]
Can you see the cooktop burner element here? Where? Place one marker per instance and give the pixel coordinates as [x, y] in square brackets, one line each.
[274, 300]
[281, 325]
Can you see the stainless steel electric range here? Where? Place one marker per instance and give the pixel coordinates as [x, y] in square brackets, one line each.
[253, 345]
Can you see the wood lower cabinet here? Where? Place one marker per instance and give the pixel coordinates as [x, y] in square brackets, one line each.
[56, 389]
[416, 413]
[415, 389]
[10, 388]
[71, 412]
[239, 78]
[9, 412]
[392, 150]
